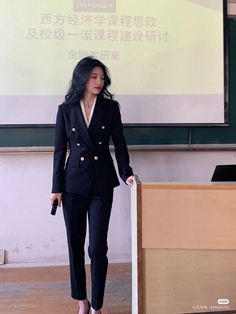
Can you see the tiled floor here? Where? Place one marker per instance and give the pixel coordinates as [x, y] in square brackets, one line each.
[46, 290]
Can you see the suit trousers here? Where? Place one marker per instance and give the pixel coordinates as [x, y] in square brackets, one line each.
[76, 208]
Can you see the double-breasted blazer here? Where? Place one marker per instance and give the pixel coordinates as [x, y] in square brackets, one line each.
[89, 166]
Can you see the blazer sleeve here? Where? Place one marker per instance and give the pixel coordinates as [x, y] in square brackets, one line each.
[121, 151]
[60, 148]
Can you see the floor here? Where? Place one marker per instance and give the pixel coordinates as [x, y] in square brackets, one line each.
[46, 290]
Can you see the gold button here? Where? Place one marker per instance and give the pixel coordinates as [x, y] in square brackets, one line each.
[103, 127]
[100, 143]
[78, 144]
[73, 129]
[82, 158]
[95, 157]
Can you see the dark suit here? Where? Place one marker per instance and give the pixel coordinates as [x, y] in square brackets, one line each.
[89, 164]
[87, 181]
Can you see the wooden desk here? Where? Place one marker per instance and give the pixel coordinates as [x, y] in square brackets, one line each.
[183, 247]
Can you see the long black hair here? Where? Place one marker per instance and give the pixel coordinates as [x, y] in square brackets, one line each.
[80, 77]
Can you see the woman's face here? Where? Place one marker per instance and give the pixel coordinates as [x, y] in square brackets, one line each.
[95, 82]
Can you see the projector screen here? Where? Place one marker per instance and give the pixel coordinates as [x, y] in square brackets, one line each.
[166, 57]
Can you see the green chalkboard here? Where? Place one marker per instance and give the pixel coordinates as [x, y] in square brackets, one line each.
[158, 135]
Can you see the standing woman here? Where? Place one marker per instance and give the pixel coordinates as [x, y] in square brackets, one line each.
[84, 182]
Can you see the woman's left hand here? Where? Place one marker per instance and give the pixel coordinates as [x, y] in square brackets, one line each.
[130, 180]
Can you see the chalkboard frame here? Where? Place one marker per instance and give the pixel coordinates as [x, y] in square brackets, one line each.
[27, 136]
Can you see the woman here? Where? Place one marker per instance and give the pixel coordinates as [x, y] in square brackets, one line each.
[86, 120]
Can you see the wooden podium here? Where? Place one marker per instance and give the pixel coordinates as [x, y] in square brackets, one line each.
[183, 248]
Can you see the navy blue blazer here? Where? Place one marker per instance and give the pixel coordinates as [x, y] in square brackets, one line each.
[89, 165]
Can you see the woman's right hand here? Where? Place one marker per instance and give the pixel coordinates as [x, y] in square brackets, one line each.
[55, 196]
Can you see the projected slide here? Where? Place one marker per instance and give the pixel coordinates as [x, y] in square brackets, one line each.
[166, 58]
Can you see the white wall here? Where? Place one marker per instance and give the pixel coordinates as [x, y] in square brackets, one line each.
[30, 234]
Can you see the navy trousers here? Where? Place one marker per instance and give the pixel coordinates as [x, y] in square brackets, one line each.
[76, 208]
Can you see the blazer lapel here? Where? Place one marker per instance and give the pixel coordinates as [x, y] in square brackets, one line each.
[97, 118]
[81, 125]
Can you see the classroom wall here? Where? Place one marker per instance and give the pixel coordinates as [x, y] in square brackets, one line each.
[31, 235]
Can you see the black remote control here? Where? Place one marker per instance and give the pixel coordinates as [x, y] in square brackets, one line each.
[54, 207]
